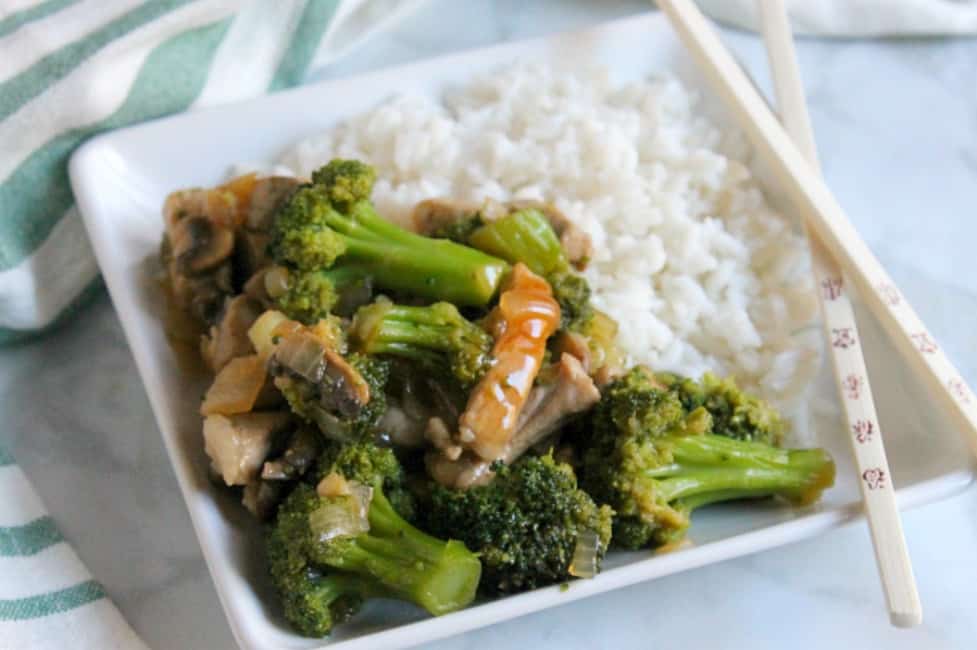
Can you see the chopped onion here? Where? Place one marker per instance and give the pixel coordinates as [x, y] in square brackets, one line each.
[262, 331]
[302, 354]
[584, 563]
[333, 485]
[363, 495]
[342, 516]
[276, 281]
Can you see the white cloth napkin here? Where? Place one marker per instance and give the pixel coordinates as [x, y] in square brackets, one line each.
[48, 599]
[70, 69]
[858, 17]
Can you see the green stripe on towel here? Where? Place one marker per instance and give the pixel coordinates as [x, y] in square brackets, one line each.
[5, 458]
[29, 539]
[51, 603]
[36, 195]
[14, 21]
[20, 89]
[313, 22]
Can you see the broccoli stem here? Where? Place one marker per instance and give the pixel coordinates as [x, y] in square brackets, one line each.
[526, 236]
[403, 261]
[711, 468]
[523, 236]
[436, 335]
[437, 575]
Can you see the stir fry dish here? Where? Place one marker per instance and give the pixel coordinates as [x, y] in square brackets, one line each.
[435, 414]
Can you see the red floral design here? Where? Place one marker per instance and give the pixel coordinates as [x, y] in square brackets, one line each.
[874, 478]
[831, 288]
[842, 337]
[923, 342]
[863, 430]
[852, 385]
[959, 390]
[888, 293]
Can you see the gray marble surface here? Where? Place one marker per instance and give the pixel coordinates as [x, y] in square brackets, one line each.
[896, 123]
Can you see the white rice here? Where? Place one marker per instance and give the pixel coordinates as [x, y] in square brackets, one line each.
[699, 271]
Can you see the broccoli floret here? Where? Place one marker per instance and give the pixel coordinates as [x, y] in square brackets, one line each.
[600, 330]
[525, 524]
[330, 226]
[346, 181]
[735, 413]
[313, 603]
[654, 462]
[309, 296]
[437, 336]
[323, 571]
[367, 463]
[526, 236]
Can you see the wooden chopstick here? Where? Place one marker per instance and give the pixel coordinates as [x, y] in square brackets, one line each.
[851, 375]
[826, 218]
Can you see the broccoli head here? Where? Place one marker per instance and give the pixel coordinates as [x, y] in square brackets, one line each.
[327, 555]
[313, 603]
[329, 228]
[654, 462]
[735, 413]
[346, 181]
[366, 463]
[309, 296]
[525, 524]
[437, 336]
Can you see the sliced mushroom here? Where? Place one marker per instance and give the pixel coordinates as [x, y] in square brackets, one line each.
[329, 389]
[198, 244]
[250, 253]
[342, 387]
[299, 455]
[229, 338]
[575, 345]
[237, 445]
[266, 197]
[261, 498]
[547, 410]
[432, 215]
[201, 296]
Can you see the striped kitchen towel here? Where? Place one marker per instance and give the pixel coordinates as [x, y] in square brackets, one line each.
[70, 69]
[47, 597]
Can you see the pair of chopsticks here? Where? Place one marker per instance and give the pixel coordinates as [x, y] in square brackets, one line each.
[844, 340]
[836, 245]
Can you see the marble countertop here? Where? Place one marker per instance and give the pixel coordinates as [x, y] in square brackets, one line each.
[896, 122]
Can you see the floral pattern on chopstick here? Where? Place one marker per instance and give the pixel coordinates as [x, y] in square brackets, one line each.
[852, 384]
[863, 430]
[874, 478]
[831, 288]
[842, 337]
[924, 342]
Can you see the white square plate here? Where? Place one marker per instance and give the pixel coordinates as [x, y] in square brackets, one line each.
[120, 180]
